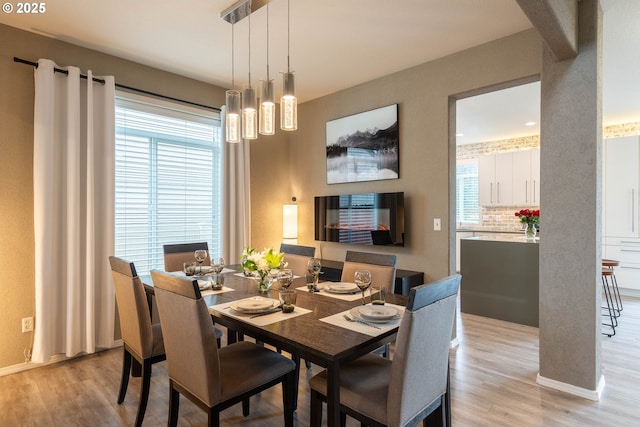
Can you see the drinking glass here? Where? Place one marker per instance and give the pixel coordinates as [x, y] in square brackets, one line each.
[217, 264]
[314, 266]
[200, 256]
[189, 268]
[285, 277]
[363, 280]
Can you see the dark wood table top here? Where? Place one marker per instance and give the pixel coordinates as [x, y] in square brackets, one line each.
[305, 336]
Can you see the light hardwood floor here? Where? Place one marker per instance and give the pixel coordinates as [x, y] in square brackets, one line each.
[493, 384]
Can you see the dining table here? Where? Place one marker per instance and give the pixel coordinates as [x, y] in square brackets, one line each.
[317, 330]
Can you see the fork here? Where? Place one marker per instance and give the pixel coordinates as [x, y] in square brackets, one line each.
[349, 319]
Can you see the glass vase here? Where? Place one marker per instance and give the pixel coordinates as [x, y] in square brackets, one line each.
[530, 231]
[264, 283]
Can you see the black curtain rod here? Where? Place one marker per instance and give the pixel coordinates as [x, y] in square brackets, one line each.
[120, 86]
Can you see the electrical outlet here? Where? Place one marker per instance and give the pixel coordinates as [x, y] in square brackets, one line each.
[436, 224]
[27, 324]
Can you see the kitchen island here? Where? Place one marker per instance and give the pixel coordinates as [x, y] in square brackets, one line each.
[500, 278]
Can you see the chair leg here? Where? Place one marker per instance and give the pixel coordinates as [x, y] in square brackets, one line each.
[316, 409]
[124, 380]
[246, 409]
[214, 418]
[144, 393]
[174, 406]
[296, 360]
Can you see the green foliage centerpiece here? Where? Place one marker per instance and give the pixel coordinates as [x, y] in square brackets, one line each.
[261, 265]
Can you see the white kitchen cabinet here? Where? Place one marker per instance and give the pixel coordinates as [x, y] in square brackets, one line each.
[495, 179]
[621, 182]
[620, 205]
[526, 177]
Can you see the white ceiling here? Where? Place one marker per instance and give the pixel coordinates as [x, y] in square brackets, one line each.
[335, 44]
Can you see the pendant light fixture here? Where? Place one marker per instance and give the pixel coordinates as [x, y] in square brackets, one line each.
[288, 102]
[232, 100]
[267, 104]
[249, 104]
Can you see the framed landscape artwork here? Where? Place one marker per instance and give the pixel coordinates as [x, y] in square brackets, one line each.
[363, 146]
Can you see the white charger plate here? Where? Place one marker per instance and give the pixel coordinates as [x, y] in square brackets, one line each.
[341, 287]
[254, 305]
[355, 312]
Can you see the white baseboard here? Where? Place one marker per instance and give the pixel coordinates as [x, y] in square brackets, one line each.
[21, 367]
[630, 292]
[571, 389]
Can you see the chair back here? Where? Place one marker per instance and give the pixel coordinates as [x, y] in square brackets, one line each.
[421, 360]
[381, 266]
[133, 310]
[189, 336]
[177, 254]
[297, 257]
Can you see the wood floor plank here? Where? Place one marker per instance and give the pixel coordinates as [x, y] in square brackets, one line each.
[493, 382]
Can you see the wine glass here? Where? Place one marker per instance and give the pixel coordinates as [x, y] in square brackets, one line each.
[200, 256]
[285, 277]
[363, 280]
[314, 266]
[217, 265]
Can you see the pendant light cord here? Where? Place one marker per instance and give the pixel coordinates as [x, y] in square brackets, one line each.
[233, 61]
[288, 34]
[249, 50]
[267, 42]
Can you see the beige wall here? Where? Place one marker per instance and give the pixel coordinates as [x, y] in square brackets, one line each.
[17, 298]
[422, 93]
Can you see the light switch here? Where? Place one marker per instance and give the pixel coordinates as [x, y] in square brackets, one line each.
[436, 224]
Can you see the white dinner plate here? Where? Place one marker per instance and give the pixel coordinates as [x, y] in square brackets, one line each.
[355, 312]
[254, 305]
[204, 284]
[341, 287]
[377, 312]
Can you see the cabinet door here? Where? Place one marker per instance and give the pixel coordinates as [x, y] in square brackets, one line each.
[486, 180]
[622, 157]
[535, 176]
[504, 179]
[522, 182]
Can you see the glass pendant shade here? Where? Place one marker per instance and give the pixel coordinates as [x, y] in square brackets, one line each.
[232, 116]
[288, 104]
[267, 108]
[249, 114]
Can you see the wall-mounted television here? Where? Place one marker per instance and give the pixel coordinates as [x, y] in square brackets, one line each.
[366, 219]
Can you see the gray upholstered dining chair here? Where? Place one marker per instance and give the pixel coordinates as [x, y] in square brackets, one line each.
[297, 257]
[212, 378]
[142, 340]
[383, 272]
[414, 385]
[175, 255]
[381, 266]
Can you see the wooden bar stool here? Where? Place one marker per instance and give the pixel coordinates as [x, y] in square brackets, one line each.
[610, 264]
[610, 309]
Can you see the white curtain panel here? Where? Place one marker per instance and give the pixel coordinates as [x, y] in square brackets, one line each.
[73, 174]
[236, 205]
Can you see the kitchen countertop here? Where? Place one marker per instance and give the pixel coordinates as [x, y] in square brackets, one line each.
[484, 230]
[516, 238]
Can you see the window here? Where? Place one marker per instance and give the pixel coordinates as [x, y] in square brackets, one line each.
[467, 203]
[168, 179]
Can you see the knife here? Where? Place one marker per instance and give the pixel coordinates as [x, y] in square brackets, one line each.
[273, 310]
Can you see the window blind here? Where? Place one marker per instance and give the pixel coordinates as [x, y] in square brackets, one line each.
[467, 201]
[168, 179]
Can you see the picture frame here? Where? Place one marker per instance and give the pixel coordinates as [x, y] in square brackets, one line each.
[363, 146]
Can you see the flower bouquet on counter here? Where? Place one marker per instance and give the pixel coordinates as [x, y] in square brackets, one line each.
[531, 219]
[261, 265]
